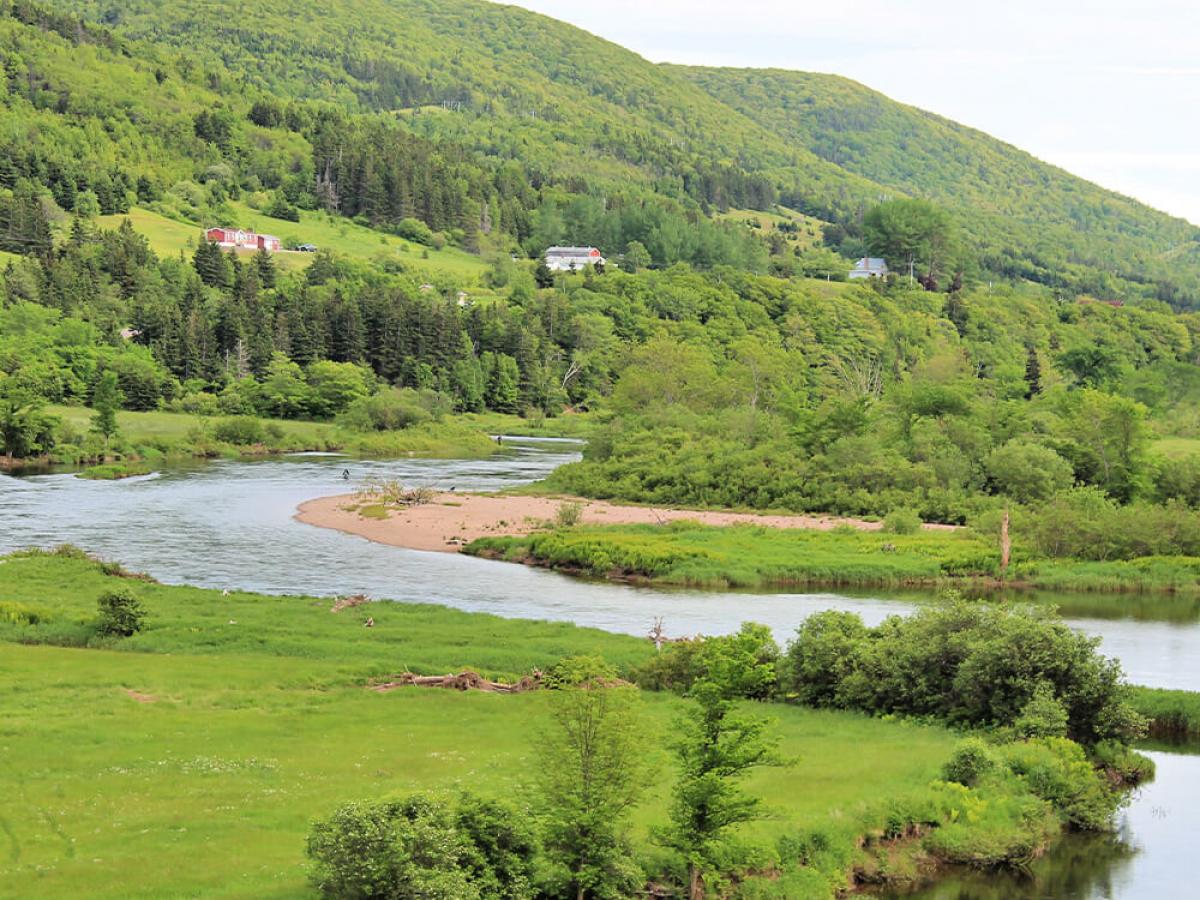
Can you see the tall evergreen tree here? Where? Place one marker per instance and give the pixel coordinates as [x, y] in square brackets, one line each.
[106, 400]
[1033, 374]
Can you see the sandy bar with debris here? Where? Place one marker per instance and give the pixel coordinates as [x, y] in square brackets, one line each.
[452, 520]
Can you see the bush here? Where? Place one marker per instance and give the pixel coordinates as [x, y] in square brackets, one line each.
[391, 410]
[121, 614]
[970, 664]
[824, 652]
[1057, 771]
[1043, 716]
[971, 760]
[574, 671]
[420, 847]
[742, 665]
[240, 430]
[902, 521]
[416, 231]
[568, 514]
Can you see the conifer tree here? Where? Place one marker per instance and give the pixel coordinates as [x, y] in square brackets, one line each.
[106, 400]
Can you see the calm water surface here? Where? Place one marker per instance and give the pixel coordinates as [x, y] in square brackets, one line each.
[229, 525]
[1149, 858]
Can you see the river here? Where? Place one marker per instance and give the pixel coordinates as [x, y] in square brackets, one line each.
[229, 524]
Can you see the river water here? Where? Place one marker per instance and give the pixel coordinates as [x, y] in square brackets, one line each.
[229, 525]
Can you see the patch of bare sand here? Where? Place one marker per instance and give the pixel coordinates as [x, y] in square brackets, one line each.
[452, 520]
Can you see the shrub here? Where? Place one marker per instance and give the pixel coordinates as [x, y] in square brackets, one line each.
[121, 614]
[392, 410]
[420, 847]
[971, 760]
[969, 664]
[577, 670]
[1043, 716]
[1057, 771]
[502, 849]
[416, 231]
[902, 521]
[822, 655]
[741, 665]
[240, 430]
[568, 514]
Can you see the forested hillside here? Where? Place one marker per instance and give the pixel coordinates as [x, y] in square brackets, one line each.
[1028, 219]
[439, 148]
[596, 120]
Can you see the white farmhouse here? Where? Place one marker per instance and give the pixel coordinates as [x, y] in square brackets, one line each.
[869, 267]
[572, 259]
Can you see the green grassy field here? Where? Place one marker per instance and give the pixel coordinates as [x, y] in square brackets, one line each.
[191, 759]
[158, 425]
[169, 237]
[1172, 714]
[6, 258]
[808, 235]
[1177, 447]
[748, 556]
[574, 425]
[174, 434]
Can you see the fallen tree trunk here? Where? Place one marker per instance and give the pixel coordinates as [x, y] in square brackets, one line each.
[463, 681]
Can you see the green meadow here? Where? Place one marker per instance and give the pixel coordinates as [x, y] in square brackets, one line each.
[171, 237]
[749, 556]
[149, 435]
[158, 426]
[191, 759]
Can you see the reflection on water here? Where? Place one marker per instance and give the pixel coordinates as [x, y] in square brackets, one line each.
[1149, 857]
[229, 525]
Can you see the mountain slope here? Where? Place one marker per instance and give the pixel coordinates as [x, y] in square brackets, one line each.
[591, 118]
[1054, 219]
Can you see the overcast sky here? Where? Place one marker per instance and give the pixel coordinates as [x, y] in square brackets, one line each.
[1109, 90]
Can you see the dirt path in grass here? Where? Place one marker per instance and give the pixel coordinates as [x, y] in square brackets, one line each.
[453, 520]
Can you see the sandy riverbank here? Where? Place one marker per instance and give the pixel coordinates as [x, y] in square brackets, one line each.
[452, 520]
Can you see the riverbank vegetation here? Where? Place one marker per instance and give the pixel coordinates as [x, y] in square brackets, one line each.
[286, 716]
[1172, 714]
[747, 556]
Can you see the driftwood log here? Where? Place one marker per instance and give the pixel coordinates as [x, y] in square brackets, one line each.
[463, 681]
[349, 602]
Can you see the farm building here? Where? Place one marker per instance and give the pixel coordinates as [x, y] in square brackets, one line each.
[869, 267]
[570, 259]
[236, 237]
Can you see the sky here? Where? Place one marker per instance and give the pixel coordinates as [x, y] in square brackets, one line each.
[1108, 90]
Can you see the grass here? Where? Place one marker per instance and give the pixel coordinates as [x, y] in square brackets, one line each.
[571, 425]
[170, 237]
[1177, 447]
[1172, 714]
[115, 471]
[749, 556]
[808, 236]
[158, 426]
[6, 258]
[190, 759]
[175, 434]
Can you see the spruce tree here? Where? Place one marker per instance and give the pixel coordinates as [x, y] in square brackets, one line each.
[1033, 374]
[264, 267]
[106, 400]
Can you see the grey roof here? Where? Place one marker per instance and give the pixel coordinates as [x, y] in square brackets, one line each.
[569, 251]
[871, 262]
